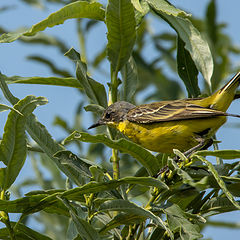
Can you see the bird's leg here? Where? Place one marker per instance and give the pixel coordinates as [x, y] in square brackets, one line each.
[202, 145]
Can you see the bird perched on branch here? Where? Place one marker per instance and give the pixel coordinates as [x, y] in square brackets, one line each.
[187, 124]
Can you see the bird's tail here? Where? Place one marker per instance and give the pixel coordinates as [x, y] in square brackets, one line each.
[222, 99]
[232, 84]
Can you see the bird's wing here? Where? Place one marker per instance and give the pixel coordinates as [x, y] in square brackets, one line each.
[170, 111]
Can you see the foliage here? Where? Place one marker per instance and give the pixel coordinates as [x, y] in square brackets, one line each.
[83, 199]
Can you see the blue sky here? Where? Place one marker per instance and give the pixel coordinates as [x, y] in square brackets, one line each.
[13, 62]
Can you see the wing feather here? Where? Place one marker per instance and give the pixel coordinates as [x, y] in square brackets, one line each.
[170, 111]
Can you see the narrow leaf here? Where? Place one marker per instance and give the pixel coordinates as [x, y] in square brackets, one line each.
[129, 79]
[85, 229]
[196, 45]
[219, 181]
[211, 24]
[47, 40]
[187, 70]
[148, 160]
[145, 181]
[56, 81]
[132, 208]
[13, 145]
[122, 219]
[178, 221]
[20, 205]
[166, 7]
[120, 21]
[225, 154]
[79, 9]
[22, 232]
[217, 205]
[94, 187]
[50, 64]
[4, 107]
[94, 90]
[142, 10]
[94, 108]
[67, 157]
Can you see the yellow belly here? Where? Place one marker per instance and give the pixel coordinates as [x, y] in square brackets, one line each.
[166, 136]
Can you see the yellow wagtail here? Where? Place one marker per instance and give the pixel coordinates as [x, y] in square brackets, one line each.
[186, 124]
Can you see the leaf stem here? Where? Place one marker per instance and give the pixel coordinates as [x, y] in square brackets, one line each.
[215, 147]
[153, 198]
[81, 41]
[5, 218]
[112, 99]
[115, 161]
[114, 86]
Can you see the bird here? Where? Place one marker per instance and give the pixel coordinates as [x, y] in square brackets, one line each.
[187, 124]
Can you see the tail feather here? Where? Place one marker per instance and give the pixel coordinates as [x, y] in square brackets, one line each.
[233, 83]
[222, 99]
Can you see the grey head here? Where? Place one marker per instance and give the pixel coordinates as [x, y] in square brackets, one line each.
[115, 113]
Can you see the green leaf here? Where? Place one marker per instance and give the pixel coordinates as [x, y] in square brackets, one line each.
[195, 43]
[166, 7]
[85, 229]
[79, 9]
[178, 221]
[217, 205]
[72, 232]
[22, 232]
[157, 233]
[56, 81]
[13, 145]
[35, 203]
[137, 5]
[30, 232]
[20, 205]
[219, 181]
[4, 107]
[122, 219]
[148, 160]
[142, 10]
[40, 135]
[47, 40]
[211, 24]
[94, 90]
[183, 197]
[132, 208]
[187, 70]
[225, 154]
[82, 166]
[145, 181]
[94, 108]
[94, 187]
[50, 64]
[120, 21]
[49, 203]
[222, 224]
[129, 80]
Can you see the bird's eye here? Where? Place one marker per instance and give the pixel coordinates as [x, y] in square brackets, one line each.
[107, 115]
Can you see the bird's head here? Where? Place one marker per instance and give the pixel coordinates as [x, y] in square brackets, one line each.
[115, 113]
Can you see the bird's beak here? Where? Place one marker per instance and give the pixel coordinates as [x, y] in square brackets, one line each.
[99, 123]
